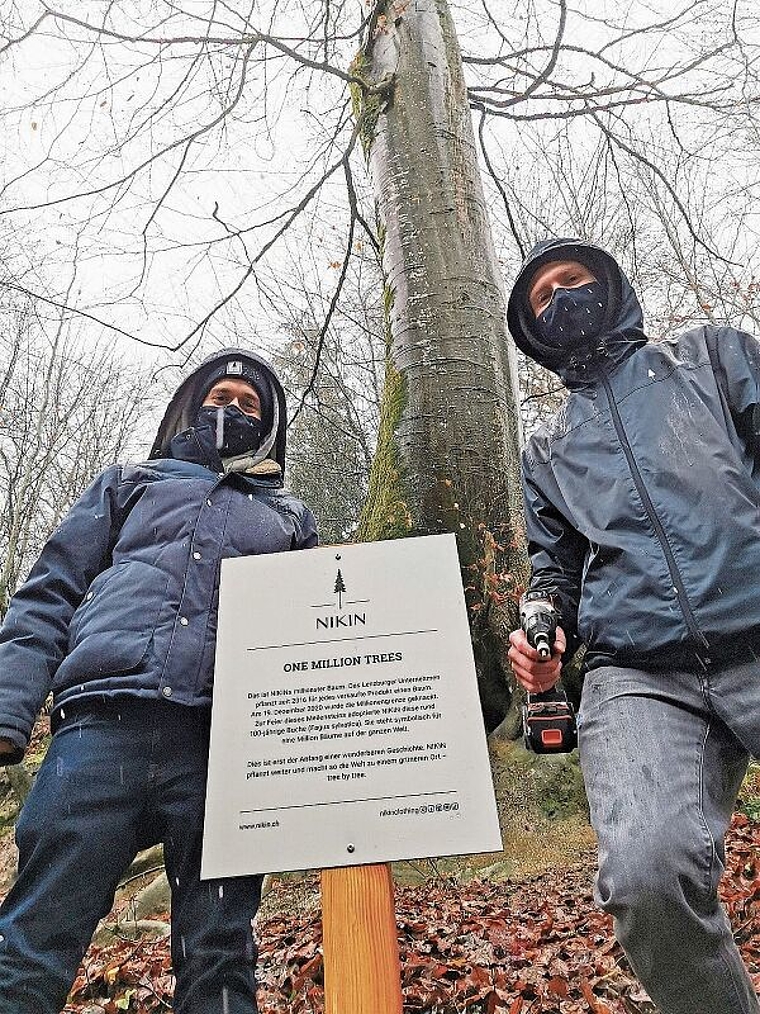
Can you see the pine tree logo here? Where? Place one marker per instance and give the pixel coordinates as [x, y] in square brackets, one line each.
[339, 588]
[332, 620]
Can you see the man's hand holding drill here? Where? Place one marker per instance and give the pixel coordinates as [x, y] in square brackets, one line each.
[534, 674]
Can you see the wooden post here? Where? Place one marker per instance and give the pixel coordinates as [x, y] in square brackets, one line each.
[360, 943]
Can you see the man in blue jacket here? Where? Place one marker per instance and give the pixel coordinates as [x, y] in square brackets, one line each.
[118, 620]
[643, 515]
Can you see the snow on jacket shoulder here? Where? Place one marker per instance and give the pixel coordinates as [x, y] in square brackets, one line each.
[643, 493]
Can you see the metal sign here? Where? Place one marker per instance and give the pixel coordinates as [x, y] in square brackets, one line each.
[346, 727]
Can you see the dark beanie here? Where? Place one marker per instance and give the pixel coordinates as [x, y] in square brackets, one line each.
[243, 369]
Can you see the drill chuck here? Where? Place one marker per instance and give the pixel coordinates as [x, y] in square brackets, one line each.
[542, 646]
[538, 618]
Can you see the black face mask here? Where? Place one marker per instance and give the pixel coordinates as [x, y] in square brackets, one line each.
[574, 316]
[228, 431]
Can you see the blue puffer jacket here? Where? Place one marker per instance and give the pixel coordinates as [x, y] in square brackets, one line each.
[123, 598]
[643, 493]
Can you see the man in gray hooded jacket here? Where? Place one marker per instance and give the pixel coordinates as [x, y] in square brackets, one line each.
[642, 502]
[118, 620]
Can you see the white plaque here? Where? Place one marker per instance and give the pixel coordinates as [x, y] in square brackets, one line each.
[346, 727]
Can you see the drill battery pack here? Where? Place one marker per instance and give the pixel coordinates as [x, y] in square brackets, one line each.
[549, 723]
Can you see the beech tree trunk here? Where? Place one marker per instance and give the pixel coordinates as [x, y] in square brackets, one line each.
[448, 451]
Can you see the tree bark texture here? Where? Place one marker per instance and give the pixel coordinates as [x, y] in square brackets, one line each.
[448, 451]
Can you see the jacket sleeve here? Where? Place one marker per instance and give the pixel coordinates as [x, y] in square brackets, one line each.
[735, 356]
[308, 537]
[34, 634]
[557, 554]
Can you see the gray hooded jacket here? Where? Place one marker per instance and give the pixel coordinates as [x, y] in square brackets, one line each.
[642, 494]
[123, 599]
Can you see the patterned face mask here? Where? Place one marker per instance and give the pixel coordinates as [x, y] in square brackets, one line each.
[574, 316]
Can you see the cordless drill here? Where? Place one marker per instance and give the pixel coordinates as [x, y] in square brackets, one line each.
[548, 718]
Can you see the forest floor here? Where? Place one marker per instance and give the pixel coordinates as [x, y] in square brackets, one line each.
[514, 932]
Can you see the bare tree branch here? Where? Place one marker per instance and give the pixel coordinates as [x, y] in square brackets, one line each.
[497, 181]
[248, 39]
[331, 309]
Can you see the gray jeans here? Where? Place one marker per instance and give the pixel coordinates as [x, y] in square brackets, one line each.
[663, 756]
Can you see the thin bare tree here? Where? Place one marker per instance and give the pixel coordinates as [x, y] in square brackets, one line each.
[66, 412]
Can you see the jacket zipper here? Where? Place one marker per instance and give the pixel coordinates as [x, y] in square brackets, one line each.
[675, 574]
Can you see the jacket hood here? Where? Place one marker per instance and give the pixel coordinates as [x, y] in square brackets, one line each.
[183, 406]
[622, 329]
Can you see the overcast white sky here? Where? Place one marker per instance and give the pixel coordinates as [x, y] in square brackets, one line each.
[67, 131]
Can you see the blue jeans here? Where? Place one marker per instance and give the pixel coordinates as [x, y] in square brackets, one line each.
[663, 756]
[117, 778]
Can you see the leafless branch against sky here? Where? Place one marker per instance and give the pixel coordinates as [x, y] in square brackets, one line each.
[186, 151]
